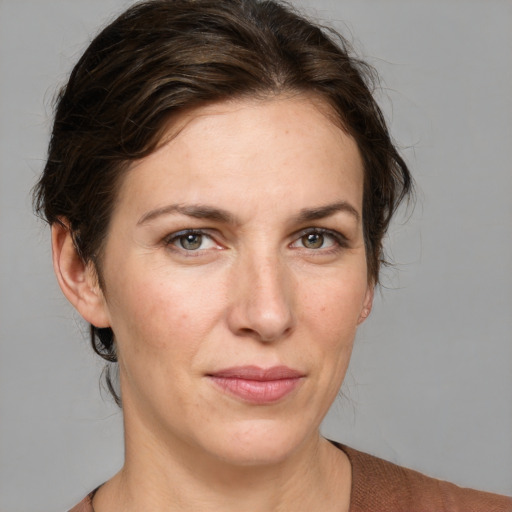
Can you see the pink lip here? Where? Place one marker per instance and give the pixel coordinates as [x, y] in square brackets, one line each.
[258, 385]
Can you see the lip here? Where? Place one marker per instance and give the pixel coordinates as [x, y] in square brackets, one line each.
[257, 385]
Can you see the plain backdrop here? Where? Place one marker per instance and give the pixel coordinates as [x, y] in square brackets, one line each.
[430, 383]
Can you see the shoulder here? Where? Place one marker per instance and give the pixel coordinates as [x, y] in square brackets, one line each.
[381, 486]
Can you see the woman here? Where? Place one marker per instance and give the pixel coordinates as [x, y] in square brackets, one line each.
[219, 182]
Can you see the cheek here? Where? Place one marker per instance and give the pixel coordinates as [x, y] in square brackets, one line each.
[160, 324]
[332, 316]
[160, 313]
[335, 308]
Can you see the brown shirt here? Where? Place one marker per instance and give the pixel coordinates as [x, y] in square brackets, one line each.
[380, 486]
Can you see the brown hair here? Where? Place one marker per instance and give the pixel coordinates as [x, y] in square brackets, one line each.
[163, 56]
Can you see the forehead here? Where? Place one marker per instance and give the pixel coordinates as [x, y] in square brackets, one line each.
[261, 150]
[273, 112]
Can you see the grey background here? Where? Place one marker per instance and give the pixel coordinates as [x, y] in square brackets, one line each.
[430, 384]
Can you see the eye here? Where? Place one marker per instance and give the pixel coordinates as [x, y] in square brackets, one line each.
[315, 239]
[189, 240]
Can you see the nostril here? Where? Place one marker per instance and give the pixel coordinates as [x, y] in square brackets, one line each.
[265, 334]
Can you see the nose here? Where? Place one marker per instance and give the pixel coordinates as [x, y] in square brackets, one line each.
[261, 305]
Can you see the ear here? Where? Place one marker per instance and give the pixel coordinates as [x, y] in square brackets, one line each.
[367, 304]
[78, 280]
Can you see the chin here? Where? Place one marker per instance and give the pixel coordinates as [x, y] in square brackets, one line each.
[256, 443]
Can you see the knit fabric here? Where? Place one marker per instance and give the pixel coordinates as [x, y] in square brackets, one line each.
[380, 486]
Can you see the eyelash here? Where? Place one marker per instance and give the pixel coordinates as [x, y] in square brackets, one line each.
[340, 241]
[171, 240]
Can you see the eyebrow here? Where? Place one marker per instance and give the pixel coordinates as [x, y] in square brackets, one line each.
[193, 210]
[309, 214]
[198, 211]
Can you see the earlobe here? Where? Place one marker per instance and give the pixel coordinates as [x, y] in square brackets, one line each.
[77, 279]
[367, 304]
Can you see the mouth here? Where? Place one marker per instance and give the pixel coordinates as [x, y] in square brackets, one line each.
[257, 385]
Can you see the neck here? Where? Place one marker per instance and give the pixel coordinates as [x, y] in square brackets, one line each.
[175, 476]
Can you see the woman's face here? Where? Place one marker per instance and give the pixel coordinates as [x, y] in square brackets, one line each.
[235, 277]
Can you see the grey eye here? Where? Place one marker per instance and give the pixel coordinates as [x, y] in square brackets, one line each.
[313, 240]
[191, 242]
